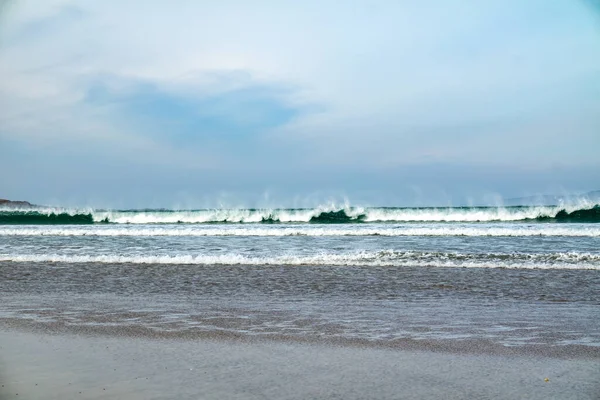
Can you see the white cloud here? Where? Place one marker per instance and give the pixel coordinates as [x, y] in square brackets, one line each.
[394, 82]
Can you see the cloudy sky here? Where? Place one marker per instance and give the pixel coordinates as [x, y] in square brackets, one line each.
[204, 103]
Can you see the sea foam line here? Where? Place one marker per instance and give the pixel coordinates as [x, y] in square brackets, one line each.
[584, 230]
[382, 258]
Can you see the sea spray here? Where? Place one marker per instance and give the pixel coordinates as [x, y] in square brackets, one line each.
[580, 212]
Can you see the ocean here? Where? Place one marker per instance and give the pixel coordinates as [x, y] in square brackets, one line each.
[503, 277]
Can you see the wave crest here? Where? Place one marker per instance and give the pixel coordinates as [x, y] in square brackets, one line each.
[320, 215]
[40, 218]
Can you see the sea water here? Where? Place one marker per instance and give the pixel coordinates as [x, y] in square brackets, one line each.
[514, 276]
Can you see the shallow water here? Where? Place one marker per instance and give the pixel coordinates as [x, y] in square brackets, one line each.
[379, 304]
[511, 283]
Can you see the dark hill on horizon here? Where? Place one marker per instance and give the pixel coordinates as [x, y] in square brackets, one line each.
[11, 203]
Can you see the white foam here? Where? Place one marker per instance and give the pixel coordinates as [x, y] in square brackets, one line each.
[380, 258]
[473, 214]
[567, 230]
[464, 214]
[221, 215]
[303, 216]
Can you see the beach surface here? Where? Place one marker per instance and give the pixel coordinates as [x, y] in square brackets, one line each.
[60, 366]
[110, 331]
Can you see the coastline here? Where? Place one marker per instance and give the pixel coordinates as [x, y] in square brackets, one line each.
[16, 203]
[464, 347]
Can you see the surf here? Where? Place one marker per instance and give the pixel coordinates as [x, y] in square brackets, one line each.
[282, 230]
[581, 213]
[382, 258]
[41, 218]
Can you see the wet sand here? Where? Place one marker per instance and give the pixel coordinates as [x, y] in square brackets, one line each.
[116, 331]
[75, 366]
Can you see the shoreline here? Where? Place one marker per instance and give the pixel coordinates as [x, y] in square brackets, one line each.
[475, 347]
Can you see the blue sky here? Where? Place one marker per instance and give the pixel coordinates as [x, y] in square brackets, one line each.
[270, 103]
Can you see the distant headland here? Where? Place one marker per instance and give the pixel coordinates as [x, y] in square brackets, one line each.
[11, 203]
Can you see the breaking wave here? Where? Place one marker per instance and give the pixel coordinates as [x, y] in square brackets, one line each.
[42, 218]
[364, 258]
[585, 213]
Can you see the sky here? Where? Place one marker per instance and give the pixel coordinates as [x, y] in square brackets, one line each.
[280, 103]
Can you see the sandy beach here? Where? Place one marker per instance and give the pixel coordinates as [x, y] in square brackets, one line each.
[64, 366]
[114, 331]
